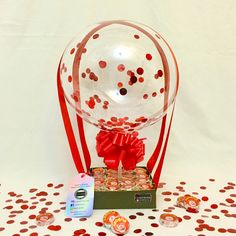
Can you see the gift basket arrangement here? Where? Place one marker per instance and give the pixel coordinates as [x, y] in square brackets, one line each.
[121, 77]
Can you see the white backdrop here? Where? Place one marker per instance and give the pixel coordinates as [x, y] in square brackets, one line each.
[33, 35]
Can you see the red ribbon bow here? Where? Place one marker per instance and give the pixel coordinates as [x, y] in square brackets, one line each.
[116, 147]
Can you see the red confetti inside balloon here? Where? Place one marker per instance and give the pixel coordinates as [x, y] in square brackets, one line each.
[119, 61]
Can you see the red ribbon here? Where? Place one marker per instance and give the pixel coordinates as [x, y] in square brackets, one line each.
[116, 147]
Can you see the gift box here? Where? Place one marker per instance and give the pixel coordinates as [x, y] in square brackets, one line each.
[132, 189]
[121, 77]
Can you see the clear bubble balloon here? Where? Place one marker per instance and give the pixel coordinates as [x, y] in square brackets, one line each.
[119, 75]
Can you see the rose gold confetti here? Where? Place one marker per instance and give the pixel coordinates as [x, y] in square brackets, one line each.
[140, 70]
[205, 198]
[10, 221]
[148, 56]
[120, 85]
[102, 64]
[48, 203]
[32, 226]
[186, 217]
[88, 70]
[154, 94]
[207, 210]
[69, 78]
[222, 230]
[79, 232]
[95, 36]
[23, 230]
[160, 73]
[229, 200]
[24, 207]
[32, 217]
[72, 51]
[200, 221]
[121, 67]
[56, 211]
[12, 216]
[24, 222]
[167, 199]
[42, 193]
[54, 227]
[166, 193]
[8, 207]
[167, 210]
[228, 187]
[162, 90]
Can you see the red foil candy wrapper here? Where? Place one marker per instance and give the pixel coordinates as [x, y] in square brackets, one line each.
[109, 217]
[190, 203]
[120, 225]
[169, 220]
[44, 219]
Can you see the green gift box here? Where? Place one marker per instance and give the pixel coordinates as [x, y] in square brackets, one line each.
[126, 199]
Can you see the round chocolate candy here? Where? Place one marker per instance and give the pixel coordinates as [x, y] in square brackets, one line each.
[109, 217]
[169, 220]
[188, 202]
[191, 202]
[44, 219]
[180, 202]
[120, 225]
